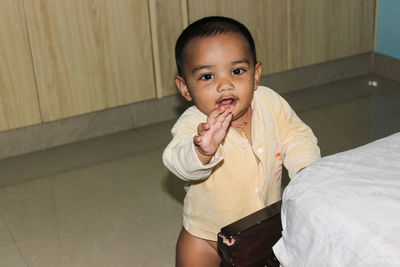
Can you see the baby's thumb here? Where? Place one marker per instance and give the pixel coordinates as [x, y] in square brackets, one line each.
[227, 121]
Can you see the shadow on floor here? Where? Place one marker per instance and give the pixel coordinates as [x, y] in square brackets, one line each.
[175, 187]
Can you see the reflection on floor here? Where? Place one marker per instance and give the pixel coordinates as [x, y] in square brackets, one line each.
[110, 202]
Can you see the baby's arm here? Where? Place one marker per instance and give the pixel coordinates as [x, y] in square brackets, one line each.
[212, 133]
[299, 145]
[181, 156]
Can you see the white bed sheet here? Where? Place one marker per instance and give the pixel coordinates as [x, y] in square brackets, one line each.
[344, 210]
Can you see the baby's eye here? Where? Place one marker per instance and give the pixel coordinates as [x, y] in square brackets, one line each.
[237, 71]
[206, 76]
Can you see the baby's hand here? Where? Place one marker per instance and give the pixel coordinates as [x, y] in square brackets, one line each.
[212, 132]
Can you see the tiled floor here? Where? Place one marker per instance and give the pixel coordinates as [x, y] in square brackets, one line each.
[110, 202]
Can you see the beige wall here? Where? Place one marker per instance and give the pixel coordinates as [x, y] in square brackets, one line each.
[65, 58]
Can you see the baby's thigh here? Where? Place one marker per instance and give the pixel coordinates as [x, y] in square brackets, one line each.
[192, 251]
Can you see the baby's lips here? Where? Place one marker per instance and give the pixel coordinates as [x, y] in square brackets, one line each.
[228, 104]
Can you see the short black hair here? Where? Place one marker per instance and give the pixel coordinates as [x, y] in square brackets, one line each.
[210, 26]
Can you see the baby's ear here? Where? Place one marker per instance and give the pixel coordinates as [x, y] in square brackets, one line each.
[183, 89]
[257, 74]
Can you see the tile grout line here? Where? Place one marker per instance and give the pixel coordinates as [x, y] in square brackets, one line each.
[13, 239]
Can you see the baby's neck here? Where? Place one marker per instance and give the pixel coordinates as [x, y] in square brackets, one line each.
[243, 124]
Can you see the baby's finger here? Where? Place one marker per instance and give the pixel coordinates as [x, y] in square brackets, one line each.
[197, 140]
[222, 117]
[230, 108]
[215, 113]
[225, 116]
[227, 121]
[203, 128]
[227, 112]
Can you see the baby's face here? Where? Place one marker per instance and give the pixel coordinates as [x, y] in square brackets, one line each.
[219, 71]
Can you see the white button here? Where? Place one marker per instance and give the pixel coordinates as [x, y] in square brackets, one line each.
[257, 190]
[260, 150]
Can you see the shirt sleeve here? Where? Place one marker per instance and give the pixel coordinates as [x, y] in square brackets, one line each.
[180, 156]
[299, 144]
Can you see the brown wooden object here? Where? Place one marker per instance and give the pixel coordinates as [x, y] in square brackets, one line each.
[249, 241]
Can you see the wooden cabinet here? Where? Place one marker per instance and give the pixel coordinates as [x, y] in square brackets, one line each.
[90, 55]
[266, 20]
[323, 30]
[295, 33]
[169, 17]
[18, 98]
[69, 57]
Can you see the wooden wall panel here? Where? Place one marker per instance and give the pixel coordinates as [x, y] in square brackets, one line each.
[167, 24]
[266, 20]
[90, 55]
[323, 30]
[18, 98]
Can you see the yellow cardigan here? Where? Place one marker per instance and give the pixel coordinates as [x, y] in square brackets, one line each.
[241, 178]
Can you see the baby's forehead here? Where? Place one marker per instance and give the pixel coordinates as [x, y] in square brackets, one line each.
[197, 43]
[218, 36]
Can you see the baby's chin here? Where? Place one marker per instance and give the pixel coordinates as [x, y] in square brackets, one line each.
[237, 116]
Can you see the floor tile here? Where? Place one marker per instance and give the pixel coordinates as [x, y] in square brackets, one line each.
[5, 237]
[11, 257]
[122, 211]
[76, 155]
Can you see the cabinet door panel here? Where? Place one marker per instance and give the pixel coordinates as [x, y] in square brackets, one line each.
[266, 20]
[18, 97]
[322, 30]
[168, 25]
[90, 55]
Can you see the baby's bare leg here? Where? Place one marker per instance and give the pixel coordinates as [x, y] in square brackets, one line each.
[192, 251]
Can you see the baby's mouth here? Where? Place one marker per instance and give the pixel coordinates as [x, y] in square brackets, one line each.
[226, 102]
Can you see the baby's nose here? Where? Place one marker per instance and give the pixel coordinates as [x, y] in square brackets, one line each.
[224, 85]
